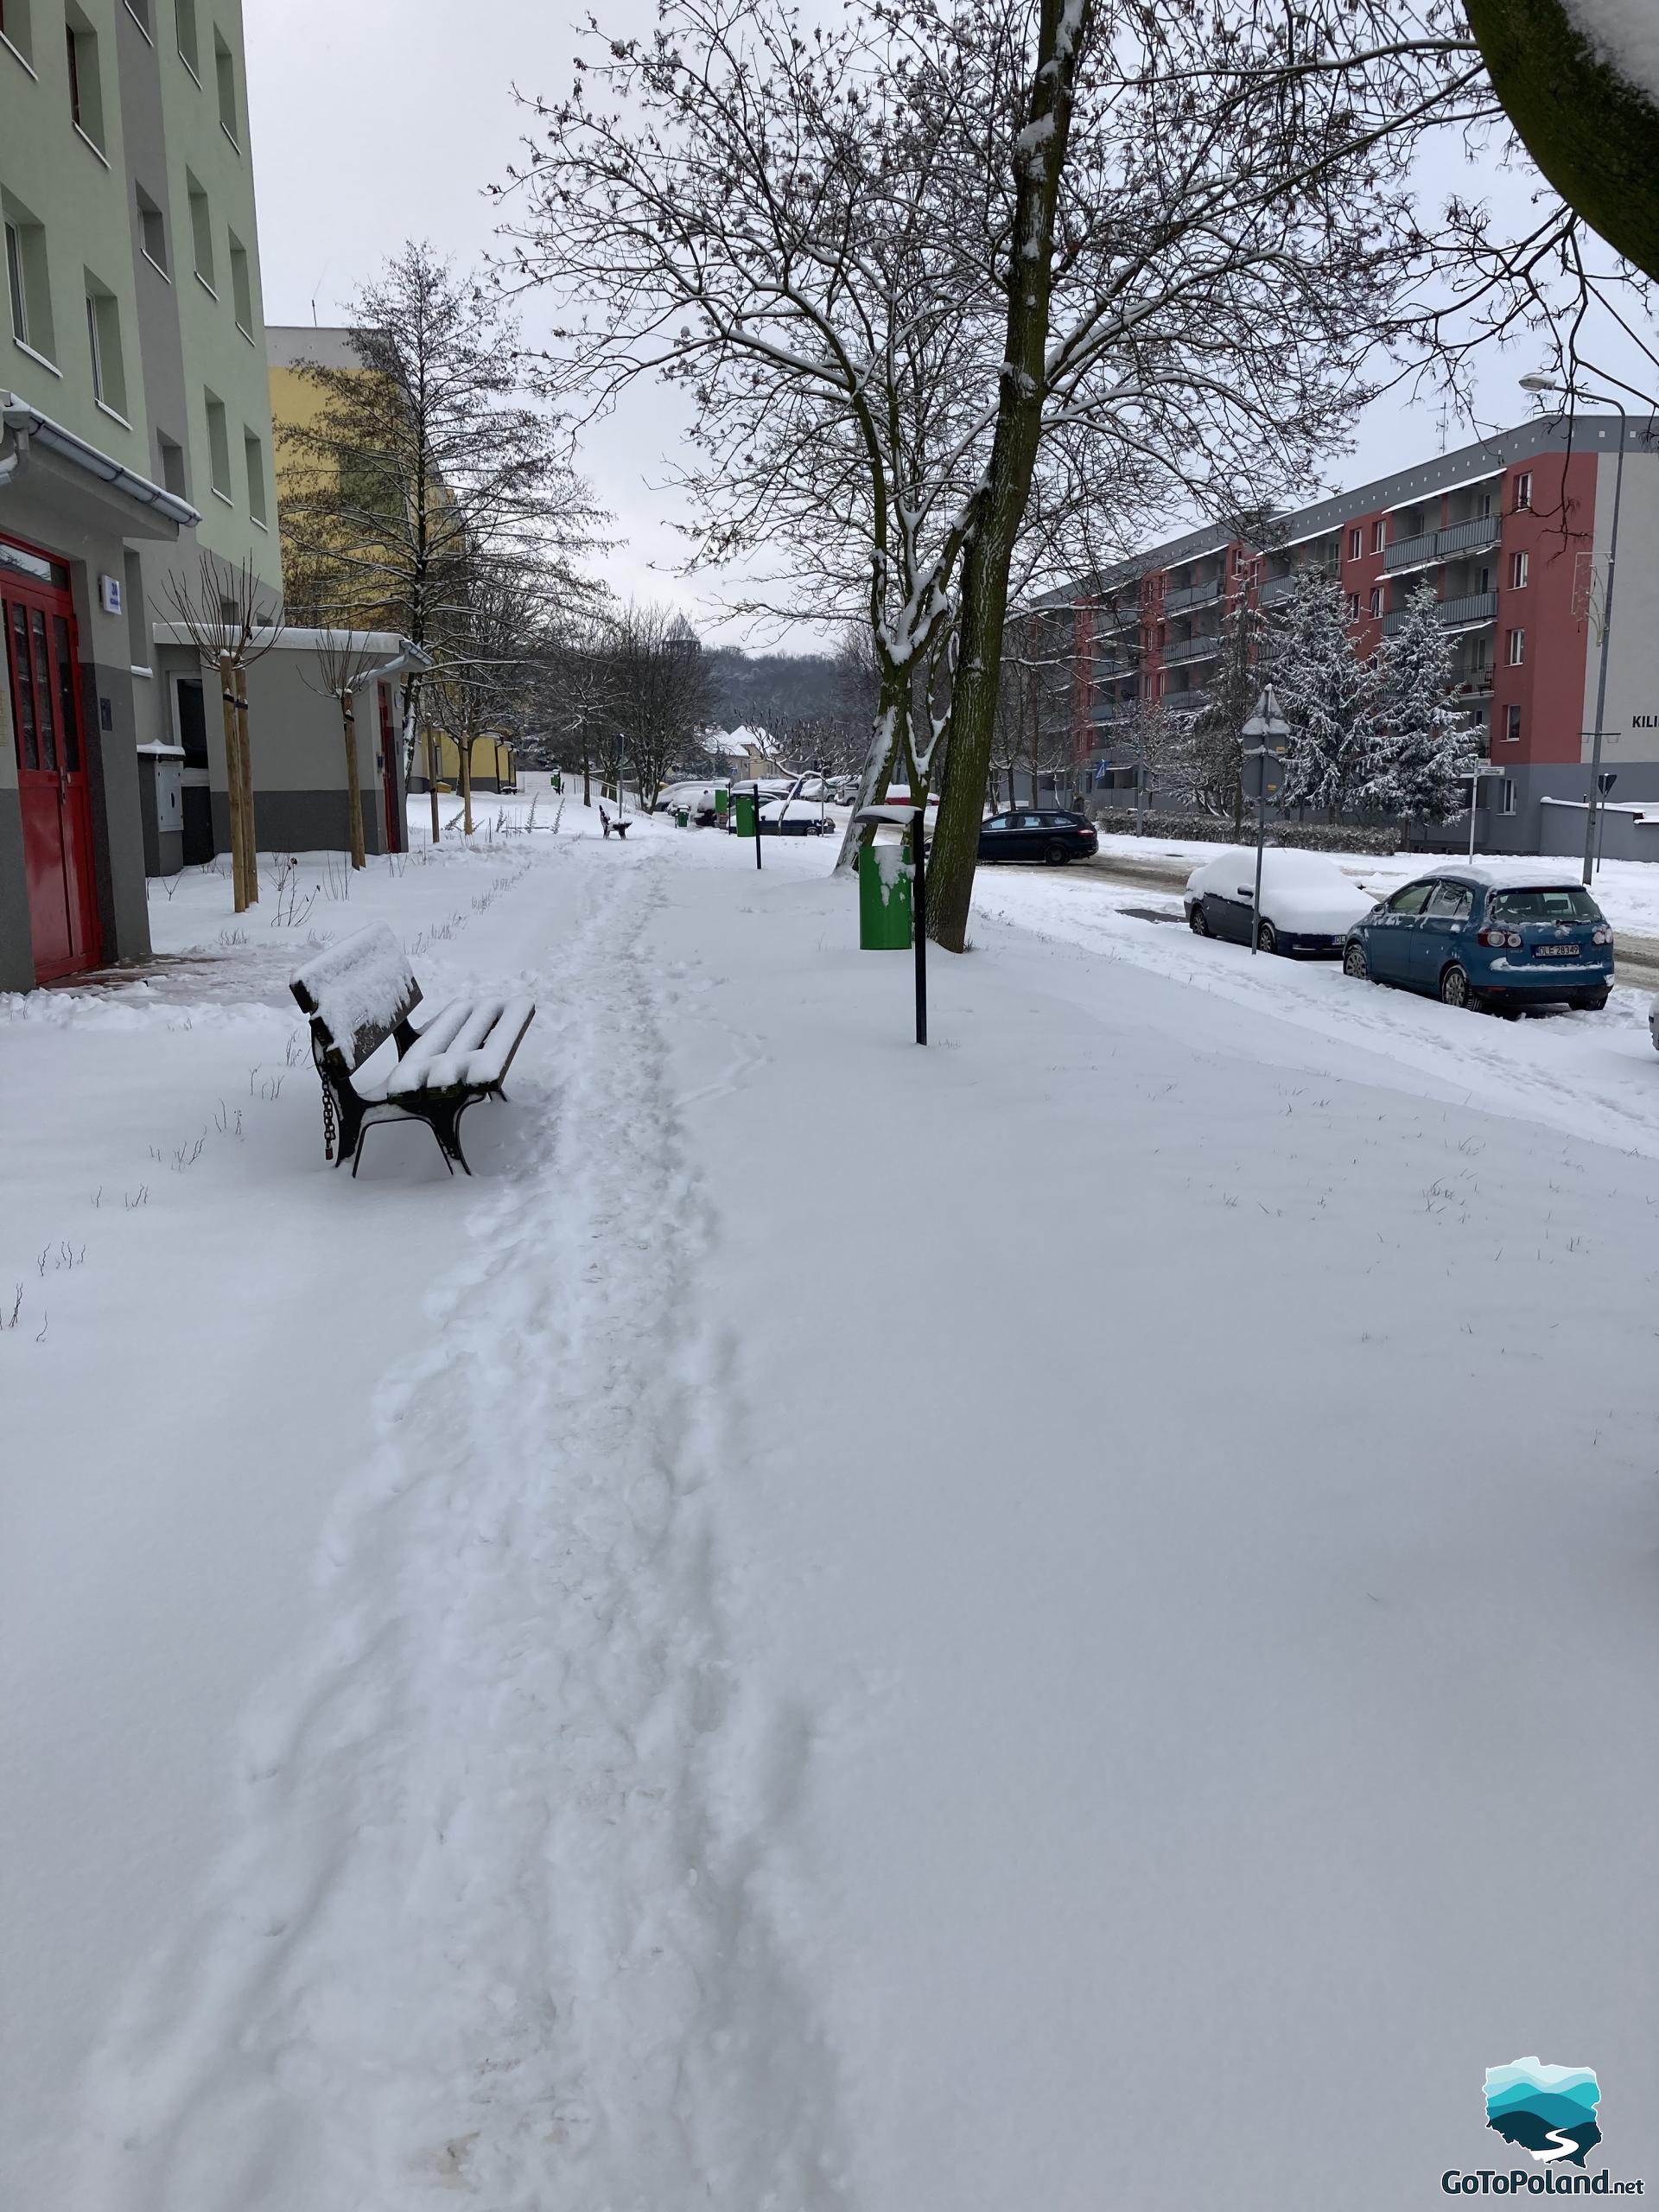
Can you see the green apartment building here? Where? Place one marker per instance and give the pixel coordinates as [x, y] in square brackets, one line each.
[136, 436]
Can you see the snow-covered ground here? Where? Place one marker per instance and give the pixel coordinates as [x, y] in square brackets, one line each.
[1628, 891]
[842, 1626]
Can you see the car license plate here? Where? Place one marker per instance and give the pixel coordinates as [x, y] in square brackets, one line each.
[1559, 951]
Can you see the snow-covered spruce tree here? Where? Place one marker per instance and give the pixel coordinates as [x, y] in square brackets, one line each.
[950, 265]
[1422, 749]
[1325, 692]
[1217, 742]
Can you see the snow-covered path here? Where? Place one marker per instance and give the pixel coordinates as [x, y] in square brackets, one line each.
[910, 1632]
[517, 1772]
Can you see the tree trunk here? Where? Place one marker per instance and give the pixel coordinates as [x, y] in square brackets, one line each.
[354, 788]
[233, 806]
[889, 735]
[245, 755]
[587, 776]
[464, 764]
[432, 782]
[1062, 27]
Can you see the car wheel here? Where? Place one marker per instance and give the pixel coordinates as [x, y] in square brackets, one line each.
[1058, 854]
[1454, 986]
[1195, 920]
[1588, 1001]
[1354, 963]
[1267, 938]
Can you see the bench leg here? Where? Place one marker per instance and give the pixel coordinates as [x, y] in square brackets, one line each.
[349, 1111]
[444, 1116]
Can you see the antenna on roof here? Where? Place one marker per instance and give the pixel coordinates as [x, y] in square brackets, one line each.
[313, 314]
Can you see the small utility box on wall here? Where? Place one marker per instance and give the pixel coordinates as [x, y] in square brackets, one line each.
[161, 801]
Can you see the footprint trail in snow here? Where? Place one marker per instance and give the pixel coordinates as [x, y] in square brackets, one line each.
[495, 1926]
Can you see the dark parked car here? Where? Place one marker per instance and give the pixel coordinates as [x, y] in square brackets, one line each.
[1037, 835]
[1489, 935]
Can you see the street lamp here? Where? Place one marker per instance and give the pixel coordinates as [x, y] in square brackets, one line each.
[1266, 725]
[1536, 383]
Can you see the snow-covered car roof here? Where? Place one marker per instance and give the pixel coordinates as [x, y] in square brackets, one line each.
[1512, 875]
[1279, 864]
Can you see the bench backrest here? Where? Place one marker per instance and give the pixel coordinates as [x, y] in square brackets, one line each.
[358, 994]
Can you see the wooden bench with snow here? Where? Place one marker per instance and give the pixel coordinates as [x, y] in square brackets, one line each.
[381, 1060]
[606, 822]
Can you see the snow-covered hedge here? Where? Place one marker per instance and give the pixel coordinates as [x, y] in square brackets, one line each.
[1208, 830]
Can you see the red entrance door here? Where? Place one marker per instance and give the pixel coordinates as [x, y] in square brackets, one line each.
[43, 672]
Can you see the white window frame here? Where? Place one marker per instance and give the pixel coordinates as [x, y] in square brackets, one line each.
[1517, 649]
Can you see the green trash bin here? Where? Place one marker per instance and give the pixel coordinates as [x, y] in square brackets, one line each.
[746, 804]
[682, 817]
[558, 781]
[885, 878]
[722, 803]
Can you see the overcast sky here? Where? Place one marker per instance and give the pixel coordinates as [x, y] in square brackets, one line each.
[375, 121]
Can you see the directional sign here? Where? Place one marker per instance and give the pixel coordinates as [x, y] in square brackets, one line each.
[1267, 724]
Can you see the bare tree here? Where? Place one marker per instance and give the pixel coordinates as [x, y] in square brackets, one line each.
[424, 461]
[945, 280]
[344, 658]
[659, 692]
[231, 624]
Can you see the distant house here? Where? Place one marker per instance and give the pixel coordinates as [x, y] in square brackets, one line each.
[744, 752]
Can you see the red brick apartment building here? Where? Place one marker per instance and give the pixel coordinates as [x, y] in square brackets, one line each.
[1513, 534]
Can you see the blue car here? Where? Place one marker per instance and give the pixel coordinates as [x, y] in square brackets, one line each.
[1503, 937]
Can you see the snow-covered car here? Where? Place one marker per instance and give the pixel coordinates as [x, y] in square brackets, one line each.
[699, 799]
[796, 817]
[1308, 905]
[1504, 934]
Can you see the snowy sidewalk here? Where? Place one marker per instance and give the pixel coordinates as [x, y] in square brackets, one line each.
[916, 1632]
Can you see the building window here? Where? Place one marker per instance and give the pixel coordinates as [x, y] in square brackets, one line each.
[1506, 796]
[219, 447]
[1376, 602]
[225, 71]
[1379, 535]
[241, 288]
[1517, 571]
[152, 231]
[184, 16]
[1512, 725]
[171, 456]
[1524, 489]
[14, 28]
[1355, 542]
[253, 453]
[201, 231]
[1517, 647]
[85, 90]
[1353, 607]
[26, 283]
[104, 344]
[138, 613]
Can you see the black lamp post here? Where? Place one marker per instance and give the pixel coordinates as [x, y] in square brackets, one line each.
[916, 817]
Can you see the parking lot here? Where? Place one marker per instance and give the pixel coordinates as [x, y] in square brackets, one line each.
[1596, 1075]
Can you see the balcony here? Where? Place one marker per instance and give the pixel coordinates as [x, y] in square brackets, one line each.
[1422, 552]
[1455, 613]
[1413, 552]
[1471, 537]
[1184, 649]
[1192, 595]
[1282, 587]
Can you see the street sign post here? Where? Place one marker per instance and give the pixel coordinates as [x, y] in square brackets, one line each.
[1270, 729]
